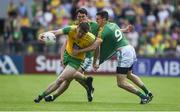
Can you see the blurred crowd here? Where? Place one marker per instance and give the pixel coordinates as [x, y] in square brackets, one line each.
[156, 24]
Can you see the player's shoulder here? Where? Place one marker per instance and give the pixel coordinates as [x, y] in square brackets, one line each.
[91, 35]
[93, 22]
[73, 27]
[110, 24]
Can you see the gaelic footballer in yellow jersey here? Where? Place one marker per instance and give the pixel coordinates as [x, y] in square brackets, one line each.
[85, 81]
[77, 41]
[78, 37]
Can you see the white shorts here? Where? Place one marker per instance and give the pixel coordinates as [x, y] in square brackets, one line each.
[126, 56]
[87, 64]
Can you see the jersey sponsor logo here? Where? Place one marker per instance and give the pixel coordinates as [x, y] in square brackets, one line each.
[7, 66]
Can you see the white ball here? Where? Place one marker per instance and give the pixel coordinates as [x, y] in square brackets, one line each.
[49, 38]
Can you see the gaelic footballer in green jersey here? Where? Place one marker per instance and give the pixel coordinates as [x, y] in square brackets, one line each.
[112, 38]
[110, 41]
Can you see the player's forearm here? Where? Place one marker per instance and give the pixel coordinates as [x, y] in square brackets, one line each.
[92, 47]
[124, 30]
[129, 28]
[57, 32]
[96, 56]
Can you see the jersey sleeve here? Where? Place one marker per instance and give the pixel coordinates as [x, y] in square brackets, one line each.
[94, 28]
[66, 30]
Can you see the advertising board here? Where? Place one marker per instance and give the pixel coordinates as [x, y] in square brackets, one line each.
[11, 64]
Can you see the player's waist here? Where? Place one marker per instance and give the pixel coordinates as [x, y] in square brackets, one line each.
[124, 47]
[80, 56]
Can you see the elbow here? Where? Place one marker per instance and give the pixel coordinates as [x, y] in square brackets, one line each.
[94, 48]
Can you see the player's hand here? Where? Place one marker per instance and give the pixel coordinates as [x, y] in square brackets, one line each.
[41, 38]
[75, 52]
[62, 64]
[95, 66]
[129, 28]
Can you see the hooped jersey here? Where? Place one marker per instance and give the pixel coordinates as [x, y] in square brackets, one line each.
[77, 43]
[93, 28]
[112, 38]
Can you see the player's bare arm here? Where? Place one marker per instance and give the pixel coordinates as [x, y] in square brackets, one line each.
[129, 28]
[55, 32]
[90, 48]
[96, 57]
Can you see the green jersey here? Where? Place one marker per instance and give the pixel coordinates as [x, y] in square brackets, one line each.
[112, 38]
[94, 30]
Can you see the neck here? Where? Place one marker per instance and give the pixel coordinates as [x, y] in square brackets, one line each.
[80, 35]
[103, 23]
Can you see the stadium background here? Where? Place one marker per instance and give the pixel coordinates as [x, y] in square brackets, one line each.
[156, 37]
[156, 33]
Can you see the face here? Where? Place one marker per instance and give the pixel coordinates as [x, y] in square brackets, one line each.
[79, 32]
[99, 20]
[81, 17]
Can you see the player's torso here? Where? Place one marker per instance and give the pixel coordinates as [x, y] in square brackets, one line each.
[114, 35]
[78, 43]
[112, 38]
[94, 28]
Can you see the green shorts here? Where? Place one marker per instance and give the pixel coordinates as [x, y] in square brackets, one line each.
[71, 61]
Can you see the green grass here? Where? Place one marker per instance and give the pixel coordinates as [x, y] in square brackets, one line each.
[17, 93]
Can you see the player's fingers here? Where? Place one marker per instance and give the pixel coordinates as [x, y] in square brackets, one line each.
[130, 27]
[95, 67]
[41, 39]
[62, 64]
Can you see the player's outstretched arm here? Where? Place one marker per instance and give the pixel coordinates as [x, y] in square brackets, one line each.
[90, 48]
[96, 58]
[129, 28]
[55, 32]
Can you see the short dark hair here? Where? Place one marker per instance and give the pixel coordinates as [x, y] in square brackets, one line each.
[84, 26]
[103, 14]
[82, 10]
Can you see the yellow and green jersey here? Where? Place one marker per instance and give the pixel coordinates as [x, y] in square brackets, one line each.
[93, 28]
[77, 43]
[112, 39]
